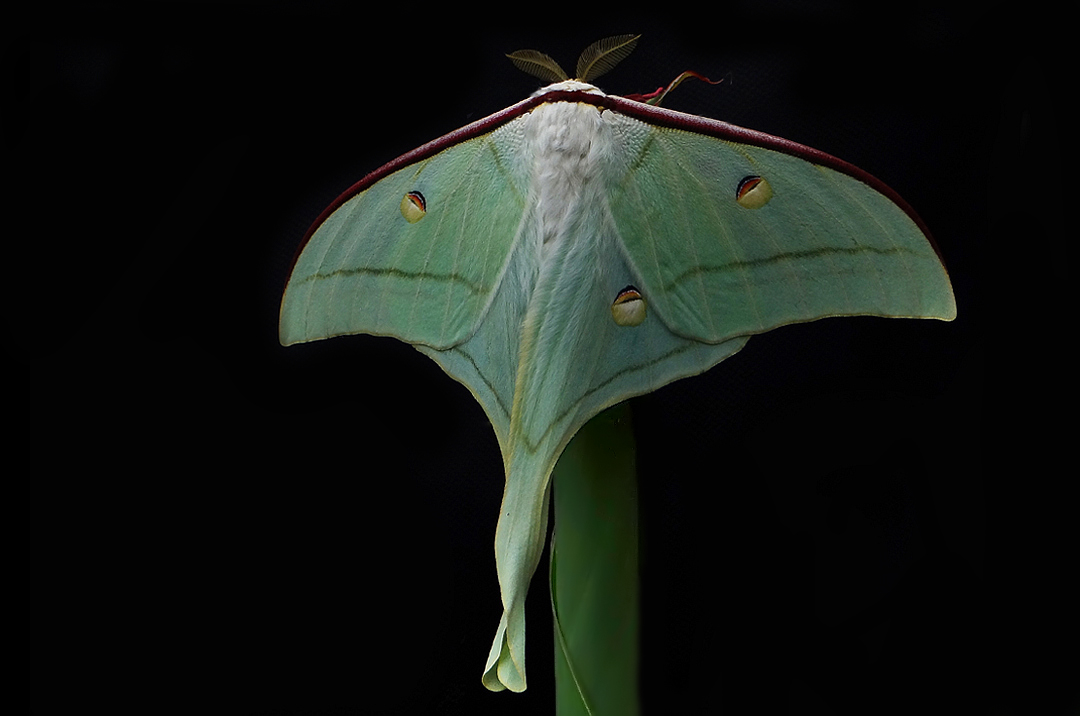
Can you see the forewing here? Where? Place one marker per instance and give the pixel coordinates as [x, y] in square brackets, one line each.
[369, 269]
[825, 244]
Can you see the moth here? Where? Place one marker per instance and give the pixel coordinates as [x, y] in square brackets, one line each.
[579, 248]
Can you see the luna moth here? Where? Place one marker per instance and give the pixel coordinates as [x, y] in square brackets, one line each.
[577, 249]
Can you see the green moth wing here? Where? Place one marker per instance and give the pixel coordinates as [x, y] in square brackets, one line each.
[414, 250]
[578, 249]
[813, 237]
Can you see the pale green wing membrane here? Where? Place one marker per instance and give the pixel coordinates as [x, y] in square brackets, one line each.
[418, 254]
[817, 243]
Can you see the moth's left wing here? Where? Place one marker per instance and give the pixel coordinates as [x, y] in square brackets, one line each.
[736, 232]
[418, 249]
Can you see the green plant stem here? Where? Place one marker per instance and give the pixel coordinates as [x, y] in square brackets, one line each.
[594, 570]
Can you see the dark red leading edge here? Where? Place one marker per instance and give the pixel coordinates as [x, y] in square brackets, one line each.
[639, 110]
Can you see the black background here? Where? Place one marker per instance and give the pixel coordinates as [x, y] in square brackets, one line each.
[849, 516]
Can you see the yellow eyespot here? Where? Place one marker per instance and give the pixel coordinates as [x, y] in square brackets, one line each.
[413, 206]
[753, 192]
[628, 308]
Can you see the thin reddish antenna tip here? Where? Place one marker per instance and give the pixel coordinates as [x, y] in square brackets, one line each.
[654, 98]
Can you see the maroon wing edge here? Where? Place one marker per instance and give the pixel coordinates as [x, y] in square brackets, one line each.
[639, 110]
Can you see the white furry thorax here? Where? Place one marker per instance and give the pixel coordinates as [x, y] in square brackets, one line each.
[568, 143]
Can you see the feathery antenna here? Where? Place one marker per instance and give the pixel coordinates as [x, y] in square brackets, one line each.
[538, 64]
[597, 59]
[602, 55]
